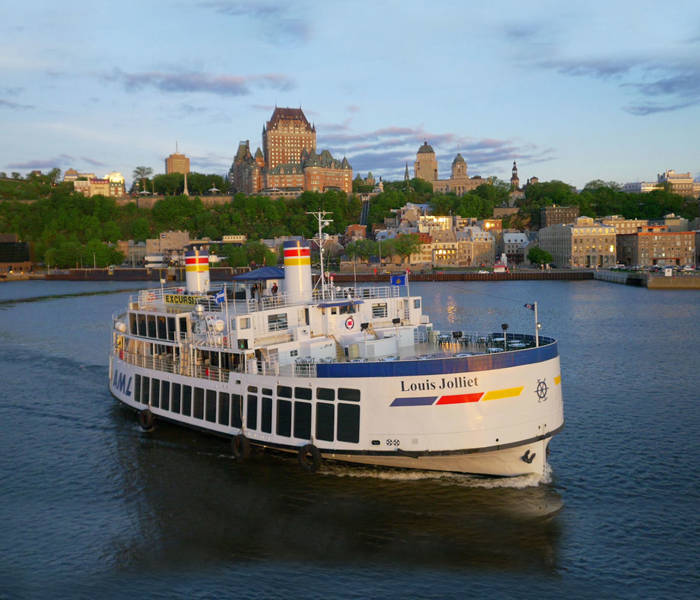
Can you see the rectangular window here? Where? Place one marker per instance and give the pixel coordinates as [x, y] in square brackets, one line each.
[244, 323]
[325, 416]
[348, 423]
[165, 395]
[198, 409]
[379, 310]
[252, 414]
[224, 407]
[302, 393]
[176, 397]
[416, 303]
[277, 322]
[266, 416]
[325, 394]
[146, 389]
[160, 324]
[187, 400]
[284, 418]
[141, 318]
[183, 325]
[348, 394]
[252, 389]
[137, 388]
[236, 410]
[132, 324]
[211, 406]
[171, 329]
[151, 321]
[302, 420]
[284, 391]
[267, 392]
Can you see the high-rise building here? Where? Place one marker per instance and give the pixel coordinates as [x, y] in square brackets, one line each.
[288, 163]
[177, 163]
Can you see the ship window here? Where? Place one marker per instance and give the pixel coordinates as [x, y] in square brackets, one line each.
[244, 323]
[348, 423]
[198, 409]
[266, 416]
[165, 395]
[334, 310]
[160, 324]
[253, 389]
[324, 421]
[146, 389]
[187, 400]
[379, 310]
[416, 303]
[284, 418]
[176, 397]
[211, 406]
[151, 321]
[348, 394]
[132, 324]
[141, 319]
[224, 400]
[284, 391]
[325, 394]
[252, 414]
[183, 325]
[236, 410]
[137, 389]
[302, 393]
[267, 392]
[155, 393]
[277, 322]
[294, 353]
[302, 420]
[171, 328]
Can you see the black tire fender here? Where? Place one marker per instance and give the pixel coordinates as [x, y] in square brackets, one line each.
[146, 419]
[309, 458]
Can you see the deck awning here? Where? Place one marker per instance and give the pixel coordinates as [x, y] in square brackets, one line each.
[339, 303]
[261, 274]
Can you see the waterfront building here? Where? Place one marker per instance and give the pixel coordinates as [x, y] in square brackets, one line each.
[556, 215]
[672, 222]
[514, 244]
[583, 243]
[656, 246]
[177, 163]
[624, 226]
[288, 164]
[134, 252]
[14, 255]
[459, 183]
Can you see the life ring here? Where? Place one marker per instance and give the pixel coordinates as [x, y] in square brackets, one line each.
[309, 458]
[146, 419]
[240, 447]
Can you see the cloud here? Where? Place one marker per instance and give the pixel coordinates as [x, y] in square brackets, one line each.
[15, 105]
[387, 150]
[278, 23]
[92, 162]
[222, 85]
[602, 68]
[49, 163]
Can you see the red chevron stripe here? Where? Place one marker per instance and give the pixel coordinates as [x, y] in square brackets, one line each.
[460, 398]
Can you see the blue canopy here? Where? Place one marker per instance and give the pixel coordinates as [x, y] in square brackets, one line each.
[261, 274]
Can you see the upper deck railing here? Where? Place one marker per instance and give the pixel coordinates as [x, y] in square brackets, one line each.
[174, 297]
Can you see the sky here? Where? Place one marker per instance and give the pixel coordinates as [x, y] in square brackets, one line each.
[573, 91]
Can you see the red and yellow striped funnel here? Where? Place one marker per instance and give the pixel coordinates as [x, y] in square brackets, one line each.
[297, 271]
[197, 271]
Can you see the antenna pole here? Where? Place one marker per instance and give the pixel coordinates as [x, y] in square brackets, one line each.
[322, 222]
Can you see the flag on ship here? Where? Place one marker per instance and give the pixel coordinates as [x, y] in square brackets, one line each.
[398, 279]
[530, 306]
[220, 297]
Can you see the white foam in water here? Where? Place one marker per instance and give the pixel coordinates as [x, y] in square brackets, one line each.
[519, 482]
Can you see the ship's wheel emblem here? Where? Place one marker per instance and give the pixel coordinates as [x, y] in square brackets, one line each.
[542, 389]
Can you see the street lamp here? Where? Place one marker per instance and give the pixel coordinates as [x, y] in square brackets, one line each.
[504, 326]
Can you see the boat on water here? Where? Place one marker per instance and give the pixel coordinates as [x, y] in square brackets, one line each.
[355, 374]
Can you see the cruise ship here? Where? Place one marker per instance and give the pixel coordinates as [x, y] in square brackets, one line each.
[355, 374]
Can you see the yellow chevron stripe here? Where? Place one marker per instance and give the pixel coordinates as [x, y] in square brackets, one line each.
[297, 262]
[196, 268]
[499, 394]
[557, 380]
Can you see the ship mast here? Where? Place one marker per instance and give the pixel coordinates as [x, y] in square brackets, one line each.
[323, 221]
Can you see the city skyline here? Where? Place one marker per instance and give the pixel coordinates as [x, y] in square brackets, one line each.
[597, 91]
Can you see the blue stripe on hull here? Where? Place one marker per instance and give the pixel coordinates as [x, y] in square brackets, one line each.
[440, 366]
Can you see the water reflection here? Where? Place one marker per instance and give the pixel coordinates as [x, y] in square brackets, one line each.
[195, 504]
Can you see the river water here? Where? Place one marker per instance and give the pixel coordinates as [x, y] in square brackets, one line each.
[94, 507]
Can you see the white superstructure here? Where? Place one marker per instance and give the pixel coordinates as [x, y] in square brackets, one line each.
[356, 374]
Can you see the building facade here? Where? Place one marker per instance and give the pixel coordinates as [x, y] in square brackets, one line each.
[288, 163]
[558, 215]
[624, 226]
[459, 183]
[583, 243]
[111, 185]
[655, 246]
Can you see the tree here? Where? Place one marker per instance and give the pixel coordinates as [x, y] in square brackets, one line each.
[407, 244]
[538, 256]
[142, 174]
